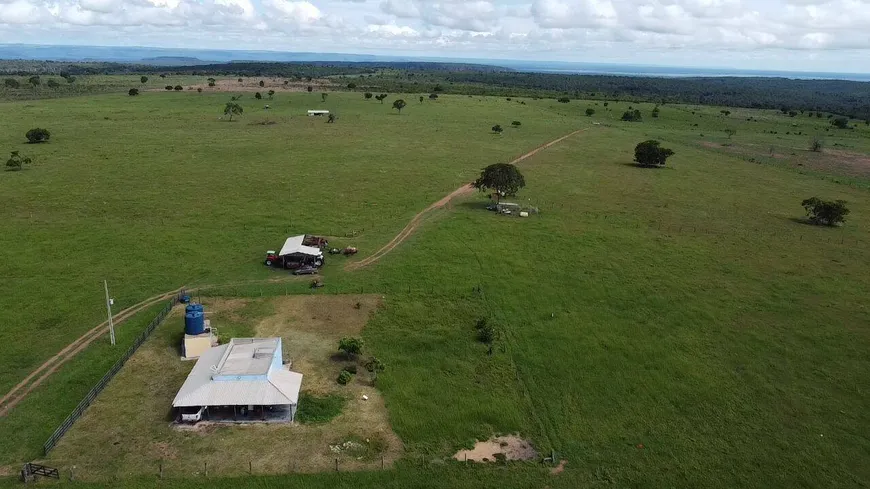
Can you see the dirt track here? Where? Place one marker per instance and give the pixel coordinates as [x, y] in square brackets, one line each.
[44, 371]
[418, 219]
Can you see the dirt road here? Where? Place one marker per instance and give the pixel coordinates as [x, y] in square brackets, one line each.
[418, 219]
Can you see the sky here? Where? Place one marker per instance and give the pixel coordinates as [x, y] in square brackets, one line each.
[794, 35]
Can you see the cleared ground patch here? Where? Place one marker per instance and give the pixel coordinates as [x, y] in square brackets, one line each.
[129, 431]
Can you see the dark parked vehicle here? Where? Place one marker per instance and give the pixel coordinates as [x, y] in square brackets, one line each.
[305, 270]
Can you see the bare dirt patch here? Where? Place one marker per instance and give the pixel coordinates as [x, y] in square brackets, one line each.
[511, 447]
[128, 429]
[559, 468]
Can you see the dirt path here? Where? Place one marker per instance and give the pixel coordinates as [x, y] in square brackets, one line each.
[418, 219]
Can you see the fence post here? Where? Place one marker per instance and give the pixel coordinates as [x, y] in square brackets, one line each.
[205, 468]
[336, 464]
[161, 468]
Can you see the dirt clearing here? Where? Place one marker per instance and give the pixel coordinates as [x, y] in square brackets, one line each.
[510, 447]
[128, 429]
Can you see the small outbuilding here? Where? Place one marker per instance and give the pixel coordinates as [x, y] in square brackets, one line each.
[243, 380]
[319, 113]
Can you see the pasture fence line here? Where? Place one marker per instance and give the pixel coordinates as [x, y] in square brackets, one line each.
[104, 381]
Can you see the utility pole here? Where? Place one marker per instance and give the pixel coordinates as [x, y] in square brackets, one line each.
[109, 310]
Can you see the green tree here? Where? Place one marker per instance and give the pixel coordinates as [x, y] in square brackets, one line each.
[240, 80]
[133, 92]
[37, 135]
[730, 132]
[310, 89]
[368, 95]
[825, 212]
[351, 346]
[650, 153]
[816, 145]
[11, 83]
[323, 97]
[564, 100]
[262, 83]
[169, 87]
[655, 112]
[632, 116]
[178, 88]
[381, 97]
[351, 86]
[344, 377]
[421, 99]
[232, 109]
[375, 366]
[433, 96]
[590, 112]
[504, 178]
[143, 80]
[199, 90]
[52, 83]
[258, 96]
[211, 80]
[497, 129]
[17, 161]
[211, 84]
[840, 123]
[271, 94]
[34, 80]
[399, 105]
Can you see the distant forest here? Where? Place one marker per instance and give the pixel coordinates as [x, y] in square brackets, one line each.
[841, 97]
[848, 98]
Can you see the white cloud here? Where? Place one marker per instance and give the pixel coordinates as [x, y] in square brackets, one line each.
[824, 33]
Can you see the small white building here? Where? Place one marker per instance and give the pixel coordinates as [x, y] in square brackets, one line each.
[319, 113]
[243, 380]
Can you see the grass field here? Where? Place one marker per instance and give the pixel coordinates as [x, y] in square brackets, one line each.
[676, 327]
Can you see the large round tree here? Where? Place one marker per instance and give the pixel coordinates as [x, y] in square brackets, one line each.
[651, 154]
[504, 178]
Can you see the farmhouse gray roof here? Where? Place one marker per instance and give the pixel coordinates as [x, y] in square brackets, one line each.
[255, 383]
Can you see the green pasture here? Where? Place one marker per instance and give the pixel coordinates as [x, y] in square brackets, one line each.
[674, 327]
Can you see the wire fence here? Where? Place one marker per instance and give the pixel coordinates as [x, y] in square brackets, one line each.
[95, 391]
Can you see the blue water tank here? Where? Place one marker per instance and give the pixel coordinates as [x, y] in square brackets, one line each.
[193, 308]
[194, 323]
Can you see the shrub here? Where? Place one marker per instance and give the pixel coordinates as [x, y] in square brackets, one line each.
[52, 83]
[433, 96]
[825, 212]
[351, 368]
[211, 84]
[632, 116]
[133, 92]
[351, 86]
[344, 377]
[11, 83]
[38, 135]
[564, 100]
[840, 123]
[178, 88]
[816, 145]
[487, 334]
[262, 83]
[516, 123]
[497, 129]
[350, 345]
[169, 87]
[590, 112]
[199, 90]
[258, 96]
[17, 161]
[368, 95]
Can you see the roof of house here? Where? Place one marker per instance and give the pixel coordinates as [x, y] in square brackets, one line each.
[294, 245]
[247, 356]
[279, 387]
